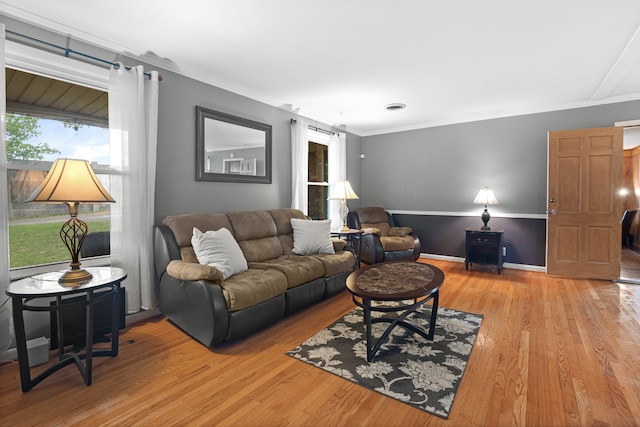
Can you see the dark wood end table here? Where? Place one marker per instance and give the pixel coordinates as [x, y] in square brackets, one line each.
[483, 247]
[395, 281]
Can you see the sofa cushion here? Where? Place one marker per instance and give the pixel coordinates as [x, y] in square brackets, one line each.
[252, 287]
[372, 215]
[282, 219]
[252, 225]
[390, 244]
[182, 225]
[219, 249]
[311, 237]
[261, 249]
[286, 241]
[256, 235]
[297, 269]
[337, 263]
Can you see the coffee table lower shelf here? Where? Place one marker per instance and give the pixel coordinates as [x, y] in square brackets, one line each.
[374, 345]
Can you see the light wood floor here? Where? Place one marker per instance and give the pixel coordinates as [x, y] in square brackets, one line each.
[550, 352]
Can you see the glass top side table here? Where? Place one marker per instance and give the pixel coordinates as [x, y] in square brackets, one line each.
[23, 292]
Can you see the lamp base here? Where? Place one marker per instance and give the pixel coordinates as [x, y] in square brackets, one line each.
[72, 278]
[344, 212]
[485, 219]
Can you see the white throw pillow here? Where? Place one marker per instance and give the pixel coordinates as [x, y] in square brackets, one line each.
[219, 249]
[311, 237]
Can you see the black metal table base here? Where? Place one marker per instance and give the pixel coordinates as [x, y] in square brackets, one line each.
[65, 358]
[374, 345]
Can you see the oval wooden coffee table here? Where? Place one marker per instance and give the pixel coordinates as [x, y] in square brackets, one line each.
[395, 281]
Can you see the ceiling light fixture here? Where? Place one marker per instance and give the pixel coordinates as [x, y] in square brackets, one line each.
[396, 106]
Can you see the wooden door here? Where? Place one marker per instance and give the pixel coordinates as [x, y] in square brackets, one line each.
[584, 205]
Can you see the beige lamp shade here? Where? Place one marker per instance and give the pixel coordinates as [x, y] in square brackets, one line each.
[71, 180]
[342, 190]
[485, 197]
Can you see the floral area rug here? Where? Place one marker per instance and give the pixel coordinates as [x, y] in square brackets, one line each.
[422, 373]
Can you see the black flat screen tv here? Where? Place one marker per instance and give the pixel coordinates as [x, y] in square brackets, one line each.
[74, 320]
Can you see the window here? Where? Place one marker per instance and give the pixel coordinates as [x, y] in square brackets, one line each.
[318, 178]
[318, 159]
[48, 119]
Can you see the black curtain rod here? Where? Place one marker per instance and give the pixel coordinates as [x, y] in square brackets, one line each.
[317, 129]
[68, 51]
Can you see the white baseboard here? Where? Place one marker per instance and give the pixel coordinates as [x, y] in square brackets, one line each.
[11, 354]
[142, 315]
[538, 268]
[37, 348]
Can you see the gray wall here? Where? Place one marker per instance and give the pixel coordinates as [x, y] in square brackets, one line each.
[177, 191]
[442, 168]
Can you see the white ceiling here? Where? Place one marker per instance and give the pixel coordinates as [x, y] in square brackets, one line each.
[341, 61]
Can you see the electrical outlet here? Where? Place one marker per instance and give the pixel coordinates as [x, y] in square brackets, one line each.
[504, 251]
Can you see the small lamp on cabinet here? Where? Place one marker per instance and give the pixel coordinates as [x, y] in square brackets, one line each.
[485, 197]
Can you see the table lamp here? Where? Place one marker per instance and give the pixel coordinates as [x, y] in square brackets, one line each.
[72, 182]
[342, 190]
[485, 197]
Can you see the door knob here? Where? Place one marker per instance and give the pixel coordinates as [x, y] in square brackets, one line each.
[552, 200]
[553, 211]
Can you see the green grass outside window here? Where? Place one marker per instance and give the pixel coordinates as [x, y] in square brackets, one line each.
[40, 243]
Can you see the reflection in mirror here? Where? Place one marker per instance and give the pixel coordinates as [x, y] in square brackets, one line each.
[232, 149]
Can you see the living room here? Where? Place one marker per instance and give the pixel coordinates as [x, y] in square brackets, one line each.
[430, 178]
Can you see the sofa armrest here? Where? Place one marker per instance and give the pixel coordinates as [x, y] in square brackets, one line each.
[400, 231]
[371, 250]
[371, 230]
[417, 247]
[165, 249]
[338, 244]
[191, 271]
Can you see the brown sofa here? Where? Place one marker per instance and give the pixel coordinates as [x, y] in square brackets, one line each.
[277, 282]
[383, 240]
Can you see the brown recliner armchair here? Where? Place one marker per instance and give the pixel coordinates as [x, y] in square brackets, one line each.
[382, 240]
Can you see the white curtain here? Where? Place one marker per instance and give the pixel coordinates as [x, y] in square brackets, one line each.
[133, 128]
[299, 165]
[6, 330]
[337, 172]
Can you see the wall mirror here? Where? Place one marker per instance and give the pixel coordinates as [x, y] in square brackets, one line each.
[231, 148]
